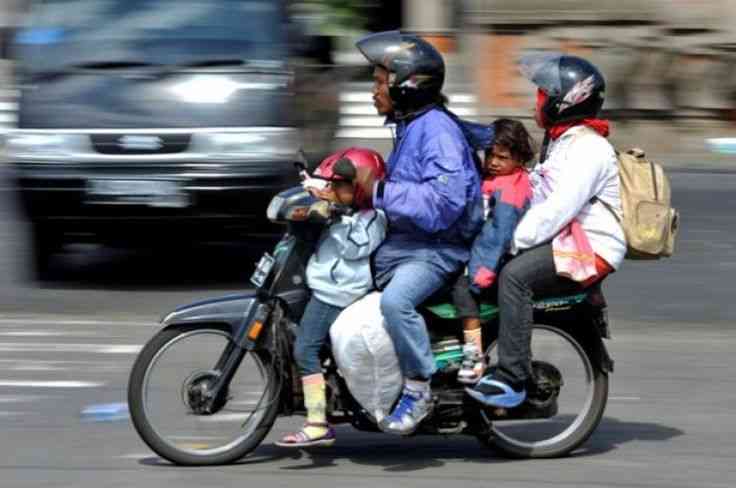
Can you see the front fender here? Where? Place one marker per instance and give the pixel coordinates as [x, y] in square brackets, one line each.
[229, 310]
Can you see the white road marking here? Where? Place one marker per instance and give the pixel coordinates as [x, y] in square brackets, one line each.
[726, 145]
[367, 97]
[137, 455]
[362, 109]
[50, 384]
[361, 122]
[21, 398]
[47, 333]
[31, 365]
[81, 348]
[51, 320]
[370, 110]
[356, 97]
[224, 417]
[34, 367]
[83, 364]
[625, 399]
[372, 133]
[463, 98]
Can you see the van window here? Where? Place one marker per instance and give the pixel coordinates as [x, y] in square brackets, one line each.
[67, 32]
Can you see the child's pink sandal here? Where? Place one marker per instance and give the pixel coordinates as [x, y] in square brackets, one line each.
[301, 439]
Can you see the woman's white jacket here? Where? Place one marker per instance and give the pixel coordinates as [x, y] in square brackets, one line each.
[581, 164]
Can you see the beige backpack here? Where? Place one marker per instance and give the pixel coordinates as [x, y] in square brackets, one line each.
[649, 222]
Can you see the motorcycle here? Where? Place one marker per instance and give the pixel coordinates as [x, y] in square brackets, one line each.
[208, 387]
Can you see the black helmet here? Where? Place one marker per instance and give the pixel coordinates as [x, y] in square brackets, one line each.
[576, 89]
[416, 69]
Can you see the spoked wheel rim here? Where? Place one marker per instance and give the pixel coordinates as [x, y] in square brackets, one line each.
[556, 350]
[171, 412]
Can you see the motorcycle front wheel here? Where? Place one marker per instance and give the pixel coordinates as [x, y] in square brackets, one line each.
[563, 413]
[165, 392]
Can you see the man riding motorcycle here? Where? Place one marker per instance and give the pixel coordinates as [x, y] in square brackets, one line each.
[578, 170]
[431, 197]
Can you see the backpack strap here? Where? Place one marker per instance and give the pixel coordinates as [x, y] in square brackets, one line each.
[608, 206]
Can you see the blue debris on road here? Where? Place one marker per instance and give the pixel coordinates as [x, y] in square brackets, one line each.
[105, 412]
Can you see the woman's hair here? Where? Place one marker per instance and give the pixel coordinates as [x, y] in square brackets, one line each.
[512, 135]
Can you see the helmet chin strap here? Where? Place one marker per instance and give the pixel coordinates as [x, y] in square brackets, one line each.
[545, 147]
[399, 115]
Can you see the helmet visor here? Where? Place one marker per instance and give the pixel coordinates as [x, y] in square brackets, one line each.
[378, 48]
[543, 69]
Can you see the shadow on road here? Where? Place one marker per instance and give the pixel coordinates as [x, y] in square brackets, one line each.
[612, 433]
[415, 454]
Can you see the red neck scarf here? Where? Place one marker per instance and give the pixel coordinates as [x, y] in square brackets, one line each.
[601, 126]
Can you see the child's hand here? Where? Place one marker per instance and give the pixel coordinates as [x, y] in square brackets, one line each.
[327, 194]
[484, 278]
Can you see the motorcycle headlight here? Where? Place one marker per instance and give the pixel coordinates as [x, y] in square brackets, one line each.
[258, 143]
[43, 146]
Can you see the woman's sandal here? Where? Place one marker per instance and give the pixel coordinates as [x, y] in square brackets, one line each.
[301, 439]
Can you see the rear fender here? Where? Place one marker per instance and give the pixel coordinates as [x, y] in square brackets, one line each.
[590, 338]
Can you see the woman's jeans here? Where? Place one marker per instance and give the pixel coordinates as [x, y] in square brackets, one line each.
[528, 277]
[412, 283]
[315, 325]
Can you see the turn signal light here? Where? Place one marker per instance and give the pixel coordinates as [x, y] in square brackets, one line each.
[255, 330]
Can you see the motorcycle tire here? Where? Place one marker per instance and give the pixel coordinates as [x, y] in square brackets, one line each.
[147, 432]
[585, 428]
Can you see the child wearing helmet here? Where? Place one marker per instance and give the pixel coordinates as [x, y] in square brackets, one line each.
[506, 196]
[338, 273]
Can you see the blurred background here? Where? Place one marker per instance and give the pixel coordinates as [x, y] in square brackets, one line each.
[160, 124]
[153, 134]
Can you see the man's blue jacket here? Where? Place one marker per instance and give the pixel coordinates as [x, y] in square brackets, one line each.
[431, 194]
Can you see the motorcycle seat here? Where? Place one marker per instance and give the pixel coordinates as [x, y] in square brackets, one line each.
[442, 307]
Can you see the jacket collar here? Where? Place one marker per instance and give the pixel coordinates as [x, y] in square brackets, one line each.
[479, 136]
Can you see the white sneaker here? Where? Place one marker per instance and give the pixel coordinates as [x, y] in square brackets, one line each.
[473, 365]
[412, 408]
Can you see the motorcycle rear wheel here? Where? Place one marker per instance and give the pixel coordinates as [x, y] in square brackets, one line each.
[163, 404]
[585, 389]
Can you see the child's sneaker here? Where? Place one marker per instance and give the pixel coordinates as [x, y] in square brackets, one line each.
[473, 365]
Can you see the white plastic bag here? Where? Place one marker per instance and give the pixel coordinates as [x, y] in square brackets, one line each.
[366, 357]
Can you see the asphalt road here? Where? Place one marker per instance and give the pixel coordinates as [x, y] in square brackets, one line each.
[69, 344]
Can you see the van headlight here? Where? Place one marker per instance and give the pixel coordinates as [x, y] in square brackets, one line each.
[43, 146]
[258, 143]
